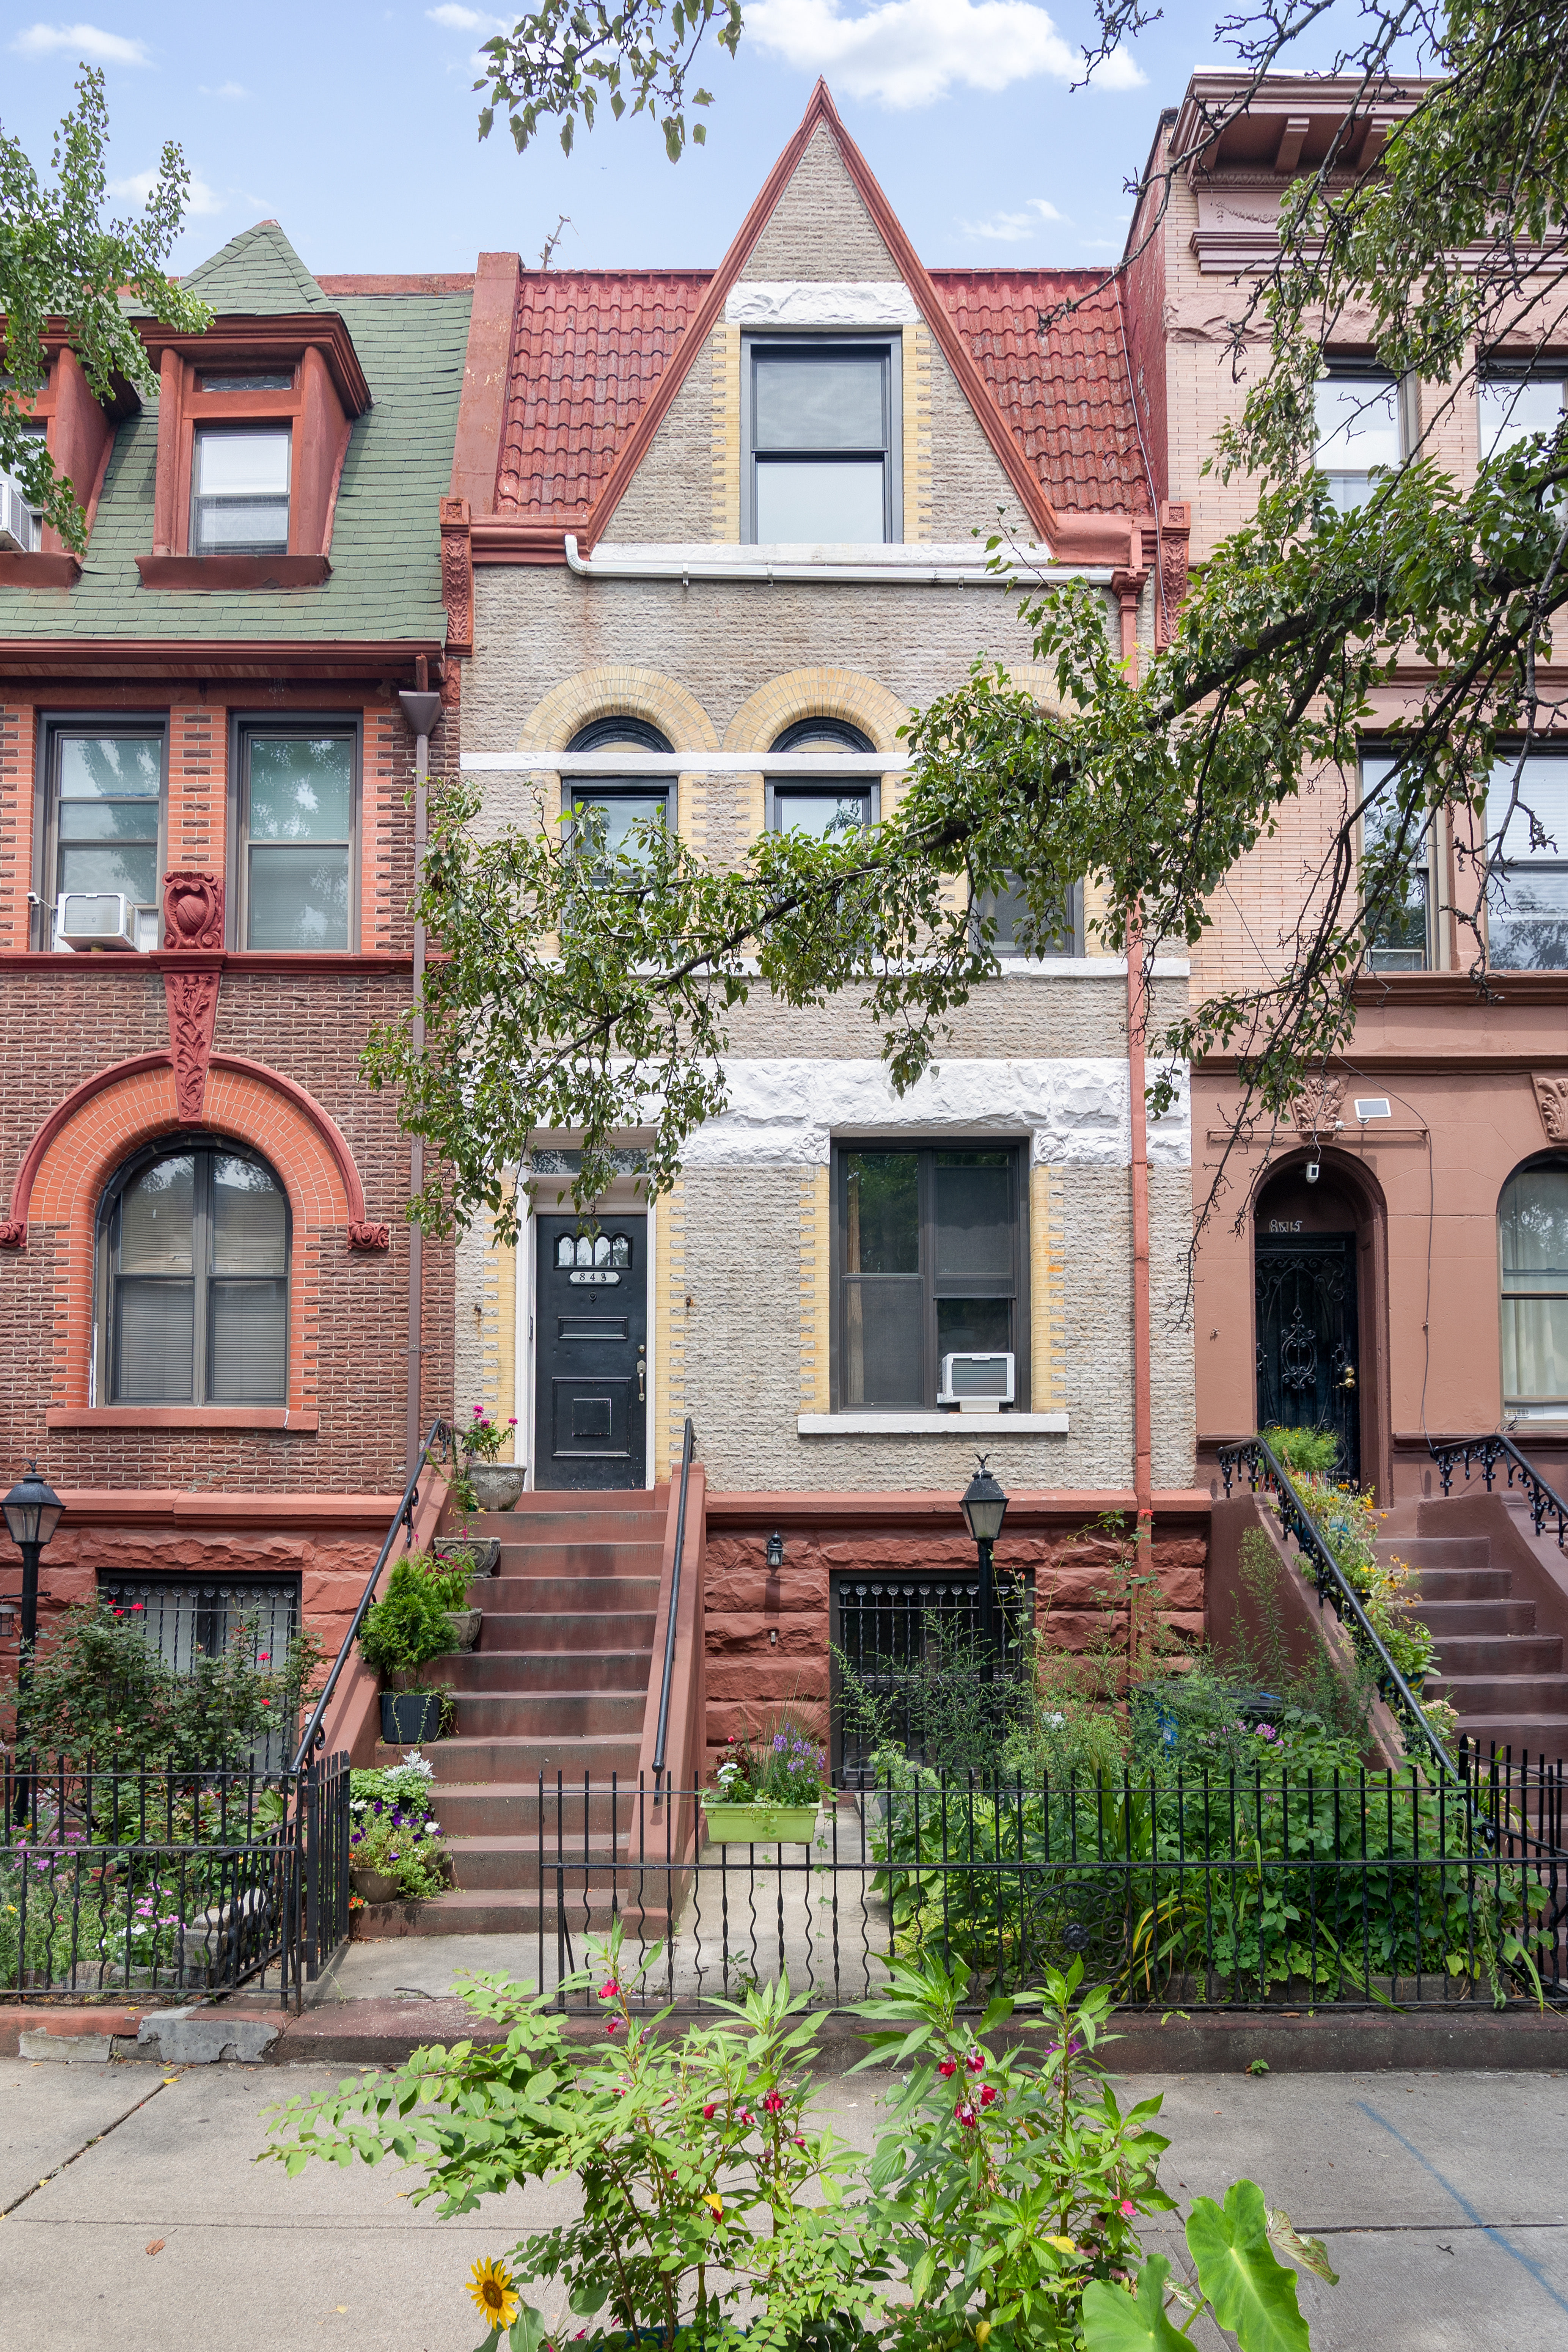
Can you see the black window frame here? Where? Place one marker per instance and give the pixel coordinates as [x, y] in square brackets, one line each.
[887, 344]
[206, 1147]
[245, 728]
[950, 1286]
[608, 734]
[830, 733]
[54, 728]
[1430, 893]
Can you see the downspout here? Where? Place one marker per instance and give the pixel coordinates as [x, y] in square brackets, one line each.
[422, 709]
[1142, 1359]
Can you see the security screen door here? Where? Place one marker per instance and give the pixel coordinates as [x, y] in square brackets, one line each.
[591, 1354]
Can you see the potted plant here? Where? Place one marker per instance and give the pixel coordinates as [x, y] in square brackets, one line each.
[395, 1854]
[403, 1631]
[450, 1581]
[493, 1483]
[767, 1794]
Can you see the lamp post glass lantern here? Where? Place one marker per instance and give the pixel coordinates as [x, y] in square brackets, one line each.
[33, 1512]
[985, 1506]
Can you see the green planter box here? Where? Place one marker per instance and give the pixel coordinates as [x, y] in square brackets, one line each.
[760, 1825]
[408, 1718]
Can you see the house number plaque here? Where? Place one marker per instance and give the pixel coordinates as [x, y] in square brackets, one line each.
[596, 1276]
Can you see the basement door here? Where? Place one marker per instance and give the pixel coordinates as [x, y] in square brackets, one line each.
[1308, 1356]
[591, 1354]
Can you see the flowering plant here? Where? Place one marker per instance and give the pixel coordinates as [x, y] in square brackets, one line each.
[785, 1767]
[483, 1438]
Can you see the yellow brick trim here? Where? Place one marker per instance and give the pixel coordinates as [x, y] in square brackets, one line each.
[725, 350]
[1037, 679]
[816, 1289]
[917, 434]
[816, 693]
[1048, 1292]
[506, 1341]
[668, 1405]
[618, 690]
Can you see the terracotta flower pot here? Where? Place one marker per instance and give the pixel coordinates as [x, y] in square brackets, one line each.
[464, 1624]
[498, 1485]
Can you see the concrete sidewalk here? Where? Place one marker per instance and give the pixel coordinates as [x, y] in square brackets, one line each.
[1442, 2198]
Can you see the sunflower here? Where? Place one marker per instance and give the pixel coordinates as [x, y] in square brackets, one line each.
[494, 2294]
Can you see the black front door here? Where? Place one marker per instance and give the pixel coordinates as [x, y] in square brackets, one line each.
[591, 1354]
[1308, 1359]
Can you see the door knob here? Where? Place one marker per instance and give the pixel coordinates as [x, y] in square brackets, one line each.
[1349, 1379]
[642, 1377]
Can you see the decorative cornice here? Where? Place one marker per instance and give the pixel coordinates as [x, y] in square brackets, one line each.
[265, 659]
[286, 334]
[458, 575]
[1551, 1102]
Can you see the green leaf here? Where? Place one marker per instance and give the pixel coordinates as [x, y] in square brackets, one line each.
[1252, 2294]
[528, 2330]
[1115, 2321]
[1306, 2254]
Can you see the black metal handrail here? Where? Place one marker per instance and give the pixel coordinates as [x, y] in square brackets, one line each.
[687, 1447]
[1264, 1467]
[440, 1436]
[1544, 1501]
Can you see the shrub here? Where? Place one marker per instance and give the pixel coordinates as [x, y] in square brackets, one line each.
[407, 1626]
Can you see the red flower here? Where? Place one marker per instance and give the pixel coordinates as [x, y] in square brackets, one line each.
[948, 2068]
[966, 2115]
[975, 2061]
[611, 2024]
[609, 1991]
[987, 2095]
[709, 2111]
[772, 2105]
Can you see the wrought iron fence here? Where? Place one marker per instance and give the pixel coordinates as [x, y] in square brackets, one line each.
[188, 1617]
[1240, 1890]
[163, 1881]
[1491, 1453]
[890, 1634]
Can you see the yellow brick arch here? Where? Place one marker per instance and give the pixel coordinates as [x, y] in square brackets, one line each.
[843, 694]
[618, 690]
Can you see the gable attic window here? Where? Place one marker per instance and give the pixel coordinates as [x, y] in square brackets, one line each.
[254, 424]
[820, 432]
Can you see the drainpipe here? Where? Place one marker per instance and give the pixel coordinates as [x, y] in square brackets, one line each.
[421, 709]
[1143, 1362]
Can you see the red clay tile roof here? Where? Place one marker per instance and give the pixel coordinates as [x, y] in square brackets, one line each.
[590, 345]
[1065, 395]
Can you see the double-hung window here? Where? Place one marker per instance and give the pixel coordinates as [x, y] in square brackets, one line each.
[1360, 425]
[1016, 931]
[193, 1273]
[296, 834]
[1526, 889]
[820, 433]
[103, 816]
[827, 808]
[21, 522]
[1399, 936]
[931, 1248]
[1514, 404]
[1532, 1268]
[620, 807]
[240, 489]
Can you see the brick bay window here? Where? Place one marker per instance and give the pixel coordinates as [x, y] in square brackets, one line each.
[820, 433]
[193, 1279]
[932, 1247]
[297, 836]
[101, 852]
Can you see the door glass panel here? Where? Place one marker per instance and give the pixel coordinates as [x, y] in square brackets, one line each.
[882, 1232]
[249, 1219]
[882, 1343]
[975, 1214]
[156, 1214]
[154, 1357]
[246, 1342]
[819, 400]
[820, 501]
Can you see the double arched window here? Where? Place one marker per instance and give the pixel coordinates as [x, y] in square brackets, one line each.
[193, 1278]
[1533, 1267]
[825, 806]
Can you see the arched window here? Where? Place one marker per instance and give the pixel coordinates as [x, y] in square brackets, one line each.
[825, 806]
[1532, 1260]
[624, 801]
[193, 1284]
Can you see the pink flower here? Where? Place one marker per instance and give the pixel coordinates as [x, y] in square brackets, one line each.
[949, 2068]
[772, 2105]
[709, 2111]
[1127, 2208]
[987, 2095]
[975, 2061]
[746, 2117]
[611, 2024]
[966, 2115]
[800, 2139]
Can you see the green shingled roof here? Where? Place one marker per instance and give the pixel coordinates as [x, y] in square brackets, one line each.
[386, 541]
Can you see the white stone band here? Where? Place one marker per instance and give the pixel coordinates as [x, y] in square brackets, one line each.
[825, 302]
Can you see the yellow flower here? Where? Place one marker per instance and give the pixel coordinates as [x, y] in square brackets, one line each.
[494, 2294]
[1062, 2245]
[715, 2206]
[981, 2332]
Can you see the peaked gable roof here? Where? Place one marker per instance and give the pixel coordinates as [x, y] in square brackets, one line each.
[257, 274]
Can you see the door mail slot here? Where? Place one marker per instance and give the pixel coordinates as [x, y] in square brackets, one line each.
[591, 1327]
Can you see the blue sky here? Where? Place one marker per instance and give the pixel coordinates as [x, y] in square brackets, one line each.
[356, 127]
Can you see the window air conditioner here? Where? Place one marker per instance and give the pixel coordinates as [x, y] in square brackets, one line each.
[18, 525]
[976, 1383]
[85, 919]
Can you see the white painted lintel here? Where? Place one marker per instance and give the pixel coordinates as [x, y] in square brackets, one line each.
[974, 1428]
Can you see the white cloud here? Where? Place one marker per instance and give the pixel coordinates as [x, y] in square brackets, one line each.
[466, 20]
[226, 89]
[909, 52]
[1014, 229]
[200, 203]
[82, 41]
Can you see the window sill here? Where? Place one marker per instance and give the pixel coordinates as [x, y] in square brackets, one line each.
[220, 571]
[179, 1416]
[967, 1425]
[37, 570]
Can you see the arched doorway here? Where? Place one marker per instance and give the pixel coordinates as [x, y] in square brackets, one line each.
[1319, 1306]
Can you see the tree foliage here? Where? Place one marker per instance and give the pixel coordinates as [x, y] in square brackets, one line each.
[63, 266]
[562, 62]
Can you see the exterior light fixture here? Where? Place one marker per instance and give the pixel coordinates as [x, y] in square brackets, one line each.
[985, 1506]
[775, 1550]
[33, 1512]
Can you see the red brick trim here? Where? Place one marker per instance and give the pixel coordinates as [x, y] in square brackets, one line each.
[270, 659]
[326, 1127]
[179, 1416]
[325, 964]
[940, 1512]
[14, 1232]
[159, 1506]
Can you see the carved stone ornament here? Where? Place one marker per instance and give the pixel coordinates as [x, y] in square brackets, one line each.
[192, 1001]
[370, 1237]
[13, 1235]
[1316, 1108]
[1551, 1102]
[458, 575]
[193, 911]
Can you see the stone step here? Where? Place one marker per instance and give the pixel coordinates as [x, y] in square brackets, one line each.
[519, 1756]
[524, 1671]
[500, 1911]
[1462, 1584]
[1501, 1654]
[549, 1596]
[593, 1526]
[1447, 1618]
[511, 1809]
[550, 1714]
[1435, 1551]
[580, 1630]
[1481, 1694]
[1542, 1738]
[515, 1863]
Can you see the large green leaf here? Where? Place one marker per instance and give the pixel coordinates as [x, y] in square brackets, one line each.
[1251, 2292]
[1114, 2321]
